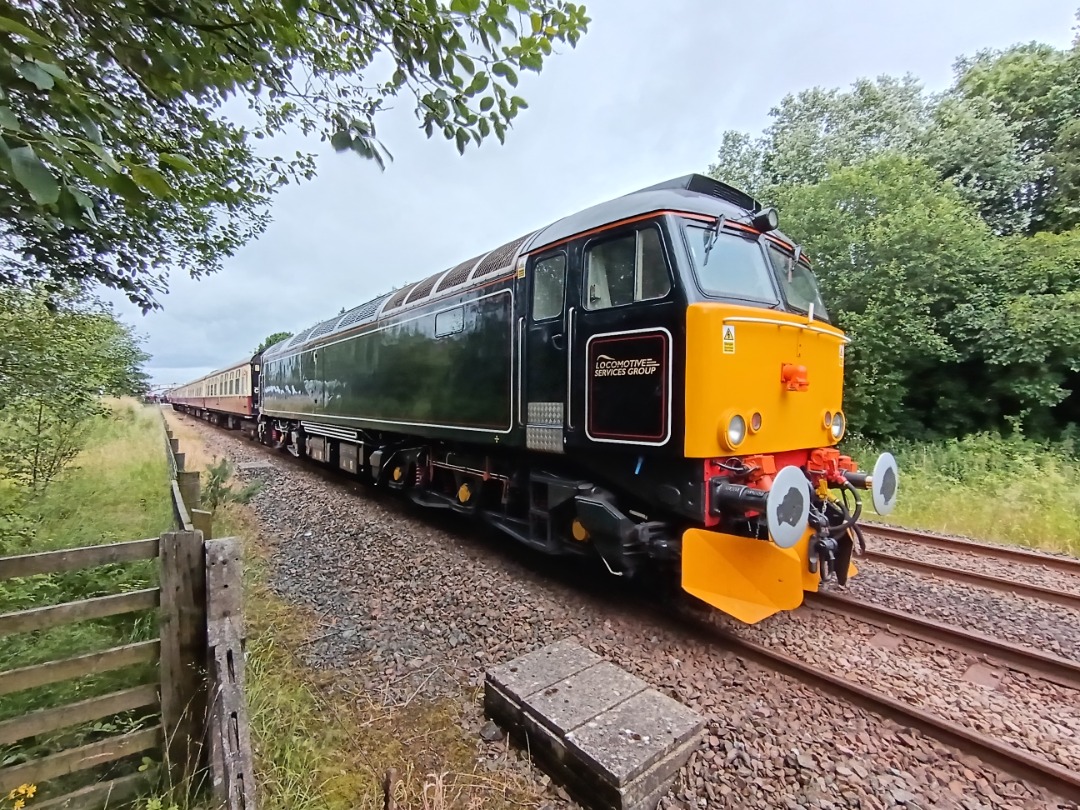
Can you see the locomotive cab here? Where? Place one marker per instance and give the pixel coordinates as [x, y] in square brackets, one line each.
[687, 361]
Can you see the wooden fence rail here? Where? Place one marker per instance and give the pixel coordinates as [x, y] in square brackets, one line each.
[195, 705]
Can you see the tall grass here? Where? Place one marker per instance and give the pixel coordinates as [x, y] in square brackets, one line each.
[987, 486]
[117, 489]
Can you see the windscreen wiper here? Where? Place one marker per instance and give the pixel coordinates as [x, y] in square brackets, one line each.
[714, 234]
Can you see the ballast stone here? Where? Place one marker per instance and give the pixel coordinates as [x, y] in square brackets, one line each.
[612, 740]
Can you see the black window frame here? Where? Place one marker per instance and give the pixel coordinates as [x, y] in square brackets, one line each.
[533, 262]
[777, 300]
[620, 233]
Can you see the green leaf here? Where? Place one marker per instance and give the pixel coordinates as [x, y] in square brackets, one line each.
[34, 175]
[125, 187]
[151, 180]
[507, 72]
[104, 156]
[90, 127]
[91, 173]
[466, 62]
[32, 72]
[178, 162]
[462, 138]
[486, 103]
[53, 70]
[520, 5]
[479, 84]
[465, 6]
[8, 119]
[16, 27]
[341, 140]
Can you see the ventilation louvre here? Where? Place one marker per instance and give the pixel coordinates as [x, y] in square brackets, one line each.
[364, 312]
[459, 273]
[424, 288]
[399, 297]
[500, 257]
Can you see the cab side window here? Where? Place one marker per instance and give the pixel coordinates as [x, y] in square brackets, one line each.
[625, 269]
[549, 284]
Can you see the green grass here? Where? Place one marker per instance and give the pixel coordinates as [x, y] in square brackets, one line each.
[986, 486]
[117, 489]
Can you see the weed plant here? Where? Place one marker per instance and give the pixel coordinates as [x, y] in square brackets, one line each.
[987, 486]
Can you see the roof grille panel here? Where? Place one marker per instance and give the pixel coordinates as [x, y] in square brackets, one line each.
[424, 288]
[300, 338]
[364, 312]
[323, 328]
[399, 297]
[500, 257]
[459, 273]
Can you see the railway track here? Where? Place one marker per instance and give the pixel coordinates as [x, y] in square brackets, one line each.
[1057, 597]
[1070, 565]
[1021, 764]
[1053, 668]
[1008, 758]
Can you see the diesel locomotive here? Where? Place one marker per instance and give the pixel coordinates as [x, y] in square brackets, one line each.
[654, 380]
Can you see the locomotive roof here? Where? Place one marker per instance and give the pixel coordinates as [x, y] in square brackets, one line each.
[691, 193]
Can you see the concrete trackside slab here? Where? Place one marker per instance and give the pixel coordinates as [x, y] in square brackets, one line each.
[610, 739]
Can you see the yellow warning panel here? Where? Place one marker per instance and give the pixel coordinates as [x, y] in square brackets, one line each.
[746, 578]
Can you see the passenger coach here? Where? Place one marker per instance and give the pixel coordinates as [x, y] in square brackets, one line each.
[654, 380]
[227, 397]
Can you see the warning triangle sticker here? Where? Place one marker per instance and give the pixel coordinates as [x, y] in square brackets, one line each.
[729, 333]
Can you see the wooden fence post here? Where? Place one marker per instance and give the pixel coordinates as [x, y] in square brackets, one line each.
[183, 655]
[230, 739]
[179, 459]
[203, 521]
[189, 488]
[175, 444]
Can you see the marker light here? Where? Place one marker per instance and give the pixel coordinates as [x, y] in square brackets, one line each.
[755, 422]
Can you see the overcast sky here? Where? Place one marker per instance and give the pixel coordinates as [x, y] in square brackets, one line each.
[644, 97]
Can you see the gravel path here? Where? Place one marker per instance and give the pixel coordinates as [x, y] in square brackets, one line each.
[1061, 581]
[1019, 619]
[415, 606]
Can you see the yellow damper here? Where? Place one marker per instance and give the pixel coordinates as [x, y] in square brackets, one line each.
[747, 578]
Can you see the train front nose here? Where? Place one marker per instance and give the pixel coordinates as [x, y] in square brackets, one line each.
[800, 532]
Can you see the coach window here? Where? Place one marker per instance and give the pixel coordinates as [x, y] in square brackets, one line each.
[626, 269]
[549, 286]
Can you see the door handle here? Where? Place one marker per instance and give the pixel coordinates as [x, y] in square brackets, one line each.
[558, 340]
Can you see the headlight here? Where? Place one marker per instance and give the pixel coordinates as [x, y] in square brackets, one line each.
[828, 419]
[837, 429]
[755, 422]
[736, 430]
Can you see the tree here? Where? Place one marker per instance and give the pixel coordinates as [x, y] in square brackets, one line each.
[270, 340]
[966, 139]
[1036, 88]
[116, 158]
[57, 359]
[899, 255]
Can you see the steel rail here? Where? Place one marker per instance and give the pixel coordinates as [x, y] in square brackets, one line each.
[1064, 598]
[1045, 665]
[1019, 763]
[1069, 565]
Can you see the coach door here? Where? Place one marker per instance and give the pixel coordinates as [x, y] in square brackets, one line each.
[622, 348]
[546, 344]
